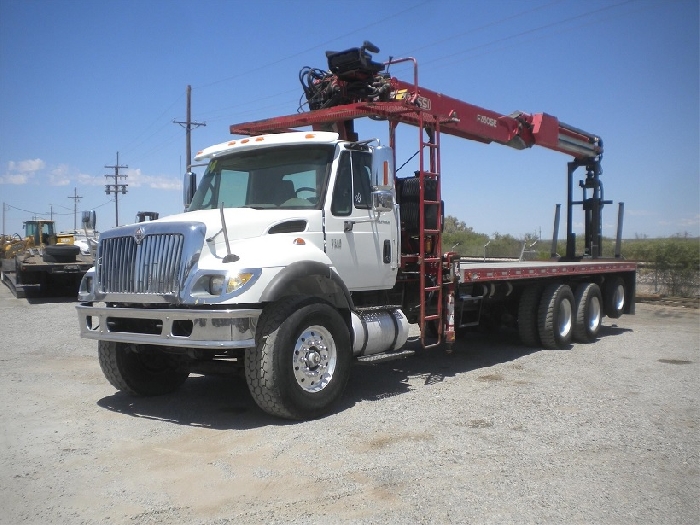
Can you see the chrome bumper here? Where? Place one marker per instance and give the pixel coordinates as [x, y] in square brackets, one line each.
[170, 327]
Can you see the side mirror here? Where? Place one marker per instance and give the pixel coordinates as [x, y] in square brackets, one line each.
[382, 200]
[189, 186]
[382, 167]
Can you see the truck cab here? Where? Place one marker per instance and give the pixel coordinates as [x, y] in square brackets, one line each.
[277, 223]
[310, 188]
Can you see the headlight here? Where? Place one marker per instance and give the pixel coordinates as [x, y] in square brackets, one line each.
[86, 292]
[220, 285]
[216, 284]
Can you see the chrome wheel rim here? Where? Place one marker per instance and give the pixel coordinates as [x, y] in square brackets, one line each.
[564, 318]
[619, 297]
[314, 359]
[594, 314]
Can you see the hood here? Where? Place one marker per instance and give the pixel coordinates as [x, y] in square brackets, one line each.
[247, 223]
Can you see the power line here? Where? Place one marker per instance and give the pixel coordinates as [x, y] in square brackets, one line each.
[187, 124]
[482, 27]
[76, 199]
[137, 137]
[529, 31]
[376, 22]
[116, 187]
[61, 214]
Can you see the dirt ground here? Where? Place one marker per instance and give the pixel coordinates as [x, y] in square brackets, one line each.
[493, 433]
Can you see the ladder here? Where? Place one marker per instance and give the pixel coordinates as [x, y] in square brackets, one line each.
[430, 233]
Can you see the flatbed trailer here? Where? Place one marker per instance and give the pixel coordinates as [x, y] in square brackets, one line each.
[506, 283]
[43, 260]
[475, 271]
[23, 274]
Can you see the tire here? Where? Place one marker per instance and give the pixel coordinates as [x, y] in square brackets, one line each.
[410, 190]
[555, 316]
[141, 370]
[301, 362]
[589, 312]
[410, 217]
[615, 296]
[527, 315]
[61, 253]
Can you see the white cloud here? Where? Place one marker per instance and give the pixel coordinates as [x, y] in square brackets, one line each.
[21, 172]
[60, 176]
[690, 221]
[137, 179]
[26, 166]
[83, 179]
[18, 179]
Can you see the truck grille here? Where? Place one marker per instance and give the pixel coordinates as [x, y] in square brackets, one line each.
[151, 267]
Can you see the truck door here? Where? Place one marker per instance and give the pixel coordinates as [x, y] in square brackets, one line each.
[361, 243]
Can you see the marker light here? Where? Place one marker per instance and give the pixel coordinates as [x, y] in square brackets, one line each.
[235, 282]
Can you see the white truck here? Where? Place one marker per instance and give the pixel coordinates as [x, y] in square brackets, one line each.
[301, 250]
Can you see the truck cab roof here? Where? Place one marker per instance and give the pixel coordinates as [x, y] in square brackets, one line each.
[273, 139]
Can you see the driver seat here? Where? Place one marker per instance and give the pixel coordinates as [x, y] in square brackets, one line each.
[283, 192]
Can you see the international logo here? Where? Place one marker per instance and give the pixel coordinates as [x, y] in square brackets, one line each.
[139, 234]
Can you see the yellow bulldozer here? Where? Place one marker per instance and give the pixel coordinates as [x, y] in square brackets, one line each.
[42, 259]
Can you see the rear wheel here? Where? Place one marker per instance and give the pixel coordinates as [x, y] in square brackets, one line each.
[527, 315]
[301, 363]
[589, 312]
[555, 316]
[614, 297]
[141, 370]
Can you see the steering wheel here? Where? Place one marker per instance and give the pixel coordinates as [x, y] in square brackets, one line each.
[306, 188]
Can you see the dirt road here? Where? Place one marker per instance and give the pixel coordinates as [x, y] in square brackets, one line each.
[494, 433]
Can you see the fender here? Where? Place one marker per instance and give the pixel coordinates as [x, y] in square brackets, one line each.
[309, 278]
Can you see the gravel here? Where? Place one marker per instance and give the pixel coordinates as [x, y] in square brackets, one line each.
[492, 433]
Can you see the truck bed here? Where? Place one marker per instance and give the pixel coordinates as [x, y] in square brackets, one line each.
[471, 271]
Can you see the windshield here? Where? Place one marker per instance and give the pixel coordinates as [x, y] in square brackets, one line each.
[286, 177]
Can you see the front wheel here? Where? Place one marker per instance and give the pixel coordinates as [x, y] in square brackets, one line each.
[141, 370]
[301, 363]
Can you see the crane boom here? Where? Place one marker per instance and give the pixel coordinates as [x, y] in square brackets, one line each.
[404, 100]
[456, 117]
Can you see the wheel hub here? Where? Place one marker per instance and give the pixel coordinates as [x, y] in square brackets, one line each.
[314, 358]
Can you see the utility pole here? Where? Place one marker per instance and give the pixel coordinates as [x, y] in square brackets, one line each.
[76, 199]
[116, 187]
[187, 124]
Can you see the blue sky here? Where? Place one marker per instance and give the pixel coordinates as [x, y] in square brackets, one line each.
[81, 80]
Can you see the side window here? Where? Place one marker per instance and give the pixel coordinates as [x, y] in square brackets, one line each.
[361, 176]
[342, 192]
[352, 185]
